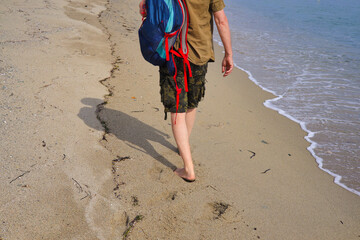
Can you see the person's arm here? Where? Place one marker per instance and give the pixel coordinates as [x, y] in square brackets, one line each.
[222, 25]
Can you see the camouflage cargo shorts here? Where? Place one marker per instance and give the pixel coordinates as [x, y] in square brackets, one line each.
[196, 87]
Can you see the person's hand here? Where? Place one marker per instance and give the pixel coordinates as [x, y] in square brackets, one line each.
[142, 8]
[227, 65]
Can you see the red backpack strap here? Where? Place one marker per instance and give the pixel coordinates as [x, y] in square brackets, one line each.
[184, 49]
[182, 53]
[178, 90]
[167, 36]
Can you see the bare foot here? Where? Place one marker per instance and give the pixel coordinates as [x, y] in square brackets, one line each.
[188, 177]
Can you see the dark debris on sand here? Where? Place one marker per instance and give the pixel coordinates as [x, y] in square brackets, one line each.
[219, 208]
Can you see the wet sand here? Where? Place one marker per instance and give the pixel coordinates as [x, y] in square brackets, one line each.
[94, 165]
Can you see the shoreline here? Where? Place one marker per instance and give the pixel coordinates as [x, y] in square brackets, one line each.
[313, 144]
[314, 71]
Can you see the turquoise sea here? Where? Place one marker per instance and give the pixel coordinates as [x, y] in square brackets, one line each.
[308, 54]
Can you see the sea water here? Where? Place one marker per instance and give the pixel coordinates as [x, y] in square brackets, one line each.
[307, 52]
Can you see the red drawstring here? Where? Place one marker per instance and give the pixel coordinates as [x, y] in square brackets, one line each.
[186, 62]
[167, 47]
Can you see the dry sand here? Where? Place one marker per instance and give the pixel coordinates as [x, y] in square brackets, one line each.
[255, 178]
[54, 173]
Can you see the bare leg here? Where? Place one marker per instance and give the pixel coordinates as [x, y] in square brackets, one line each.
[190, 119]
[180, 131]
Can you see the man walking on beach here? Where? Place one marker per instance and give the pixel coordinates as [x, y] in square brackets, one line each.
[200, 42]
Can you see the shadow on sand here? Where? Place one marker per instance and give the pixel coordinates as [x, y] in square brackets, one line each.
[133, 132]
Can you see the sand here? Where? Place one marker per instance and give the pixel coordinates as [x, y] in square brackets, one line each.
[85, 152]
[53, 170]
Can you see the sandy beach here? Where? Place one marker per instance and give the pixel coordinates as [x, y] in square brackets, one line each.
[86, 154]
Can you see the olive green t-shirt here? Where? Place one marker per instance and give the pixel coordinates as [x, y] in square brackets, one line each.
[200, 33]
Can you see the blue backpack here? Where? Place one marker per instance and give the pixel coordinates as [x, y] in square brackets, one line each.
[166, 20]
